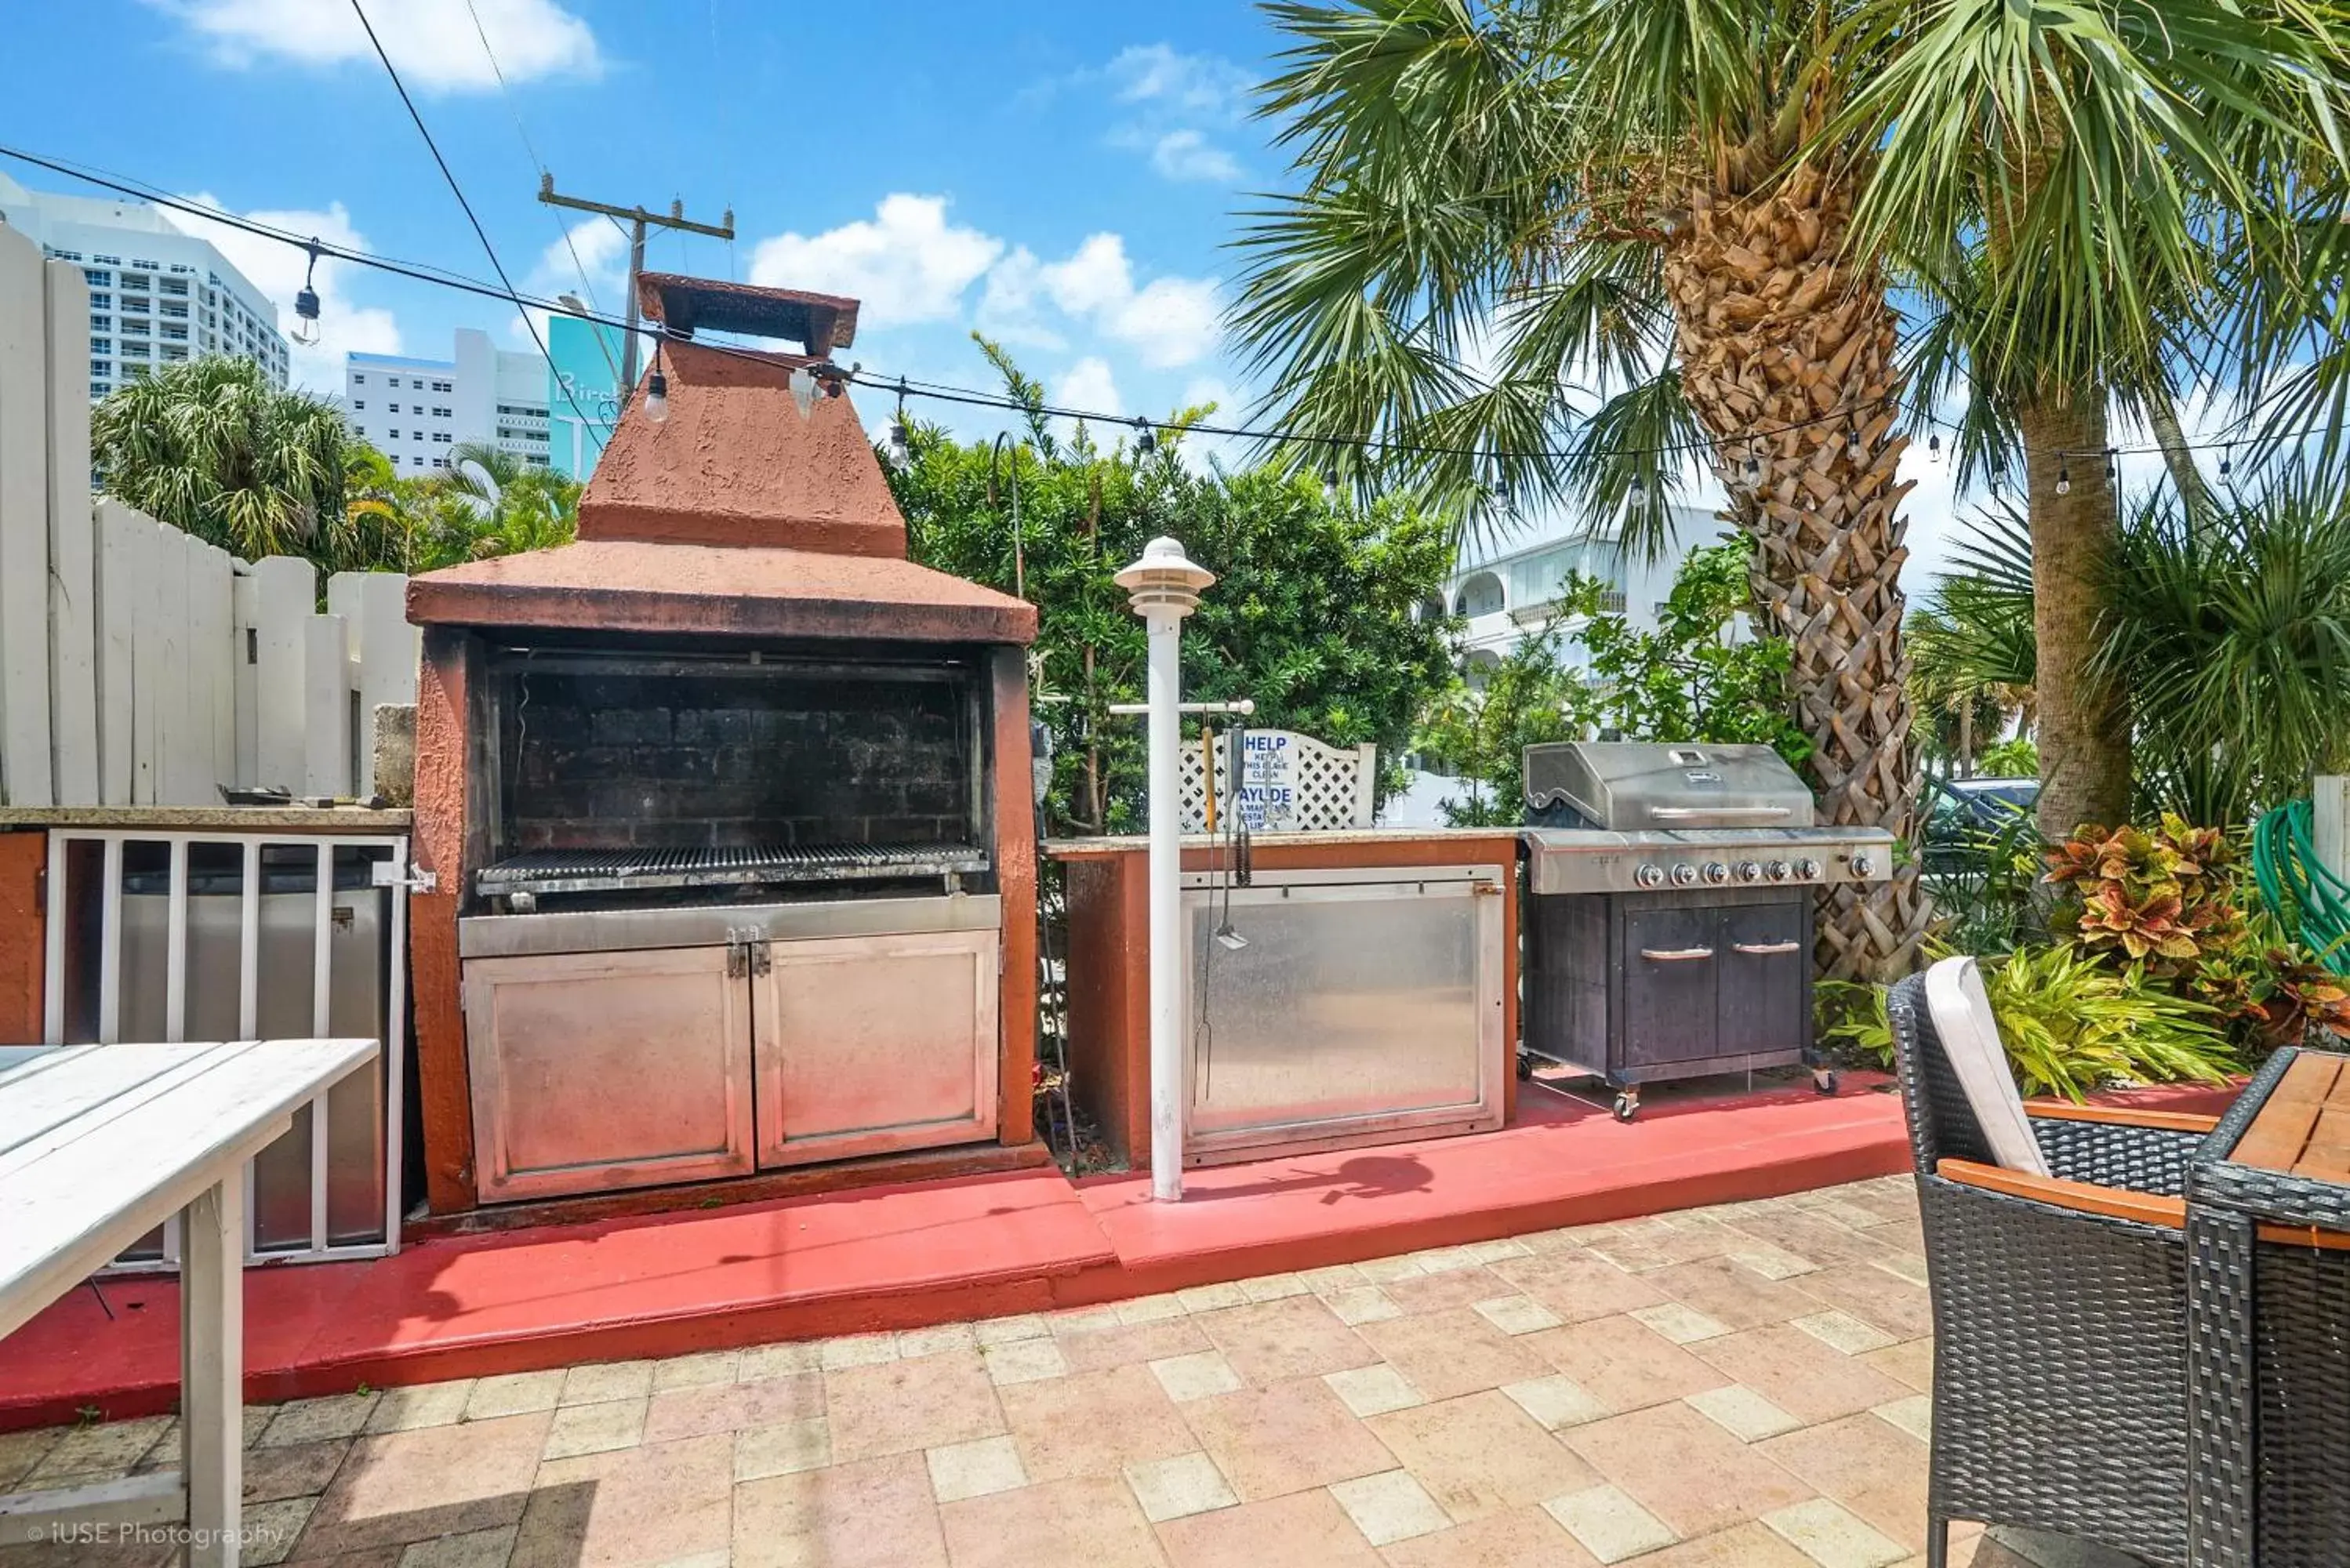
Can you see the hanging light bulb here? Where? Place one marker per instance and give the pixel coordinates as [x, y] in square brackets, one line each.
[1753, 468]
[306, 304]
[902, 451]
[1146, 440]
[1330, 484]
[803, 389]
[1934, 446]
[1637, 493]
[2228, 464]
[2063, 479]
[1854, 447]
[657, 391]
[2111, 473]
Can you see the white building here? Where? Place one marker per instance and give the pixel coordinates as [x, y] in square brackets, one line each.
[156, 296]
[1508, 589]
[414, 410]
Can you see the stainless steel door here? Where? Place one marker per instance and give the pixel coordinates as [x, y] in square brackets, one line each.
[598, 1070]
[866, 1044]
[1364, 1005]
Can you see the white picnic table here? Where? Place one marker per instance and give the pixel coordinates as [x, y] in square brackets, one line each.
[98, 1145]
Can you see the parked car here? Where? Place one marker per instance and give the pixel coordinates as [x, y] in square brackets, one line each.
[1963, 815]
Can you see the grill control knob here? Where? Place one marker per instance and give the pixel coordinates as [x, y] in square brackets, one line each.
[1776, 870]
[1808, 869]
[1716, 872]
[1650, 876]
[1749, 871]
[1684, 875]
[1862, 865]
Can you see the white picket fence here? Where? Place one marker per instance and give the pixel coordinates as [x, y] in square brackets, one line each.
[142, 665]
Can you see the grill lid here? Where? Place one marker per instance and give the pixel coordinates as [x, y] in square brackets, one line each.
[1628, 787]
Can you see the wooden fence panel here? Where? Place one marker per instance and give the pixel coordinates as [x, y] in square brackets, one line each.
[73, 583]
[25, 765]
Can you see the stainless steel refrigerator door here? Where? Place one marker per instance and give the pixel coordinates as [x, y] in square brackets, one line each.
[593, 1072]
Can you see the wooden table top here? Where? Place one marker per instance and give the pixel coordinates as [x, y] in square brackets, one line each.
[2304, 1127]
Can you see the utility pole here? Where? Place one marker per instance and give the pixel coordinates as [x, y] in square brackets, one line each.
[638, 219]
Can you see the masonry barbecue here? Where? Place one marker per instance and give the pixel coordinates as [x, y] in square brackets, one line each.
[724, 805]
[1669, 912]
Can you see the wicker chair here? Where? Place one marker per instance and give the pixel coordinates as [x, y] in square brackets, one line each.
[2060, 1313]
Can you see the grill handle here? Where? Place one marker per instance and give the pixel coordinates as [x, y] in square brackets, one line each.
[1675, 955]
[1764, 950]
[1684, 813]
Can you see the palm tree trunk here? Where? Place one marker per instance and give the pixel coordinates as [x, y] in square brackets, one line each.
[2185, 477]
[1787, 353]
[2082, 722]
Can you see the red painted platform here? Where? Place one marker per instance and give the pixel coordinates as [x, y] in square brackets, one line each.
[940, 1252]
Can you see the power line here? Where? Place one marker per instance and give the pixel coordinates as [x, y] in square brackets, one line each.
[459, 191]
[946, 392]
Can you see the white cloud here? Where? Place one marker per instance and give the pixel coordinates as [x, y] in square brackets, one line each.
[1096, 276]
[1007, 306]
[276, 269]
[907, 263]
[1088, 384]
[432, 42]
[600, 250]
[1187, 155]
[1194, 84]
[1169, 321]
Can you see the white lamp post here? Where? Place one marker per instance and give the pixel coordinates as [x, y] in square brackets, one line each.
[1165, 587]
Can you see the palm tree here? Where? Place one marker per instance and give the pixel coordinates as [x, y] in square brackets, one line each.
[212, 447]
[1691, 216]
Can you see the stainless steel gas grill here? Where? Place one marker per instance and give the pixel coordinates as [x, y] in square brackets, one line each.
[1671, 896]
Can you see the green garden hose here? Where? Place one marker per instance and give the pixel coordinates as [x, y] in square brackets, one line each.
[2297, 887]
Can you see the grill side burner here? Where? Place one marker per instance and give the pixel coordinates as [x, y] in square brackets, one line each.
[1671, 901]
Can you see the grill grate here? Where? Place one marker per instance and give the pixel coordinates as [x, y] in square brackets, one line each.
[612, 870]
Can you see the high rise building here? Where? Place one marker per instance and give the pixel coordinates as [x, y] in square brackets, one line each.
[413, 410]
[157, 295]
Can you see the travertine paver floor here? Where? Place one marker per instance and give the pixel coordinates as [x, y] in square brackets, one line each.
[1735, 1388]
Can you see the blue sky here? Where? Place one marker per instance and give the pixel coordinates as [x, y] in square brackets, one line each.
[1063, 175]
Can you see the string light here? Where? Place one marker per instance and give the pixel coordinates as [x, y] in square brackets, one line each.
[2227, 466]
[902, 451]
[2063, 478]
[1146, 440]
[657, 391]
[1754, 470]
[1934, 447]
[305, 303]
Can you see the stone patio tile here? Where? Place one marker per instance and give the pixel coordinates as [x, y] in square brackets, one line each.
[1772, 1262]
[1024, 1361]
[785, 1449]
[1196, 1376]
[1454, 1352]
[1151, 1309]
[656, 1503]
[1524, 1537]
[1095, 1425]
[275, 1528]
[1841, 1331]
[601, 1382]
[1807, 1236]
[1275, 1287]
[1516, 1313]
[780, 1360]
[1387, 1271]
[977, 1468]
[1179, 1486]
[1578, 1286]
[1309, 1527]
[1079, 1320]
[1797, 1372]
[1743, 1546]
[1608, 1524]
[1731, 1293]
[596, 1428]
[1663, 1245]
[1336, 1277]
[315, 1420]
[1212, 1298]
[1093, 1521]
[397, 1486]
[306, 1469]
[1910, 1268]
[1453, 1287]
[858, 1350]
[1872, 1467]
[697, 1412]
[1837, 1204]
[1284, 1438]
[913, 1343]
[109, 1449]
[1374, 1389]
[474, 1548]
[1623, 1362]
[1914, 1415]
[1389, 1507]
[21, 1452]
[1685, 1469]
[1555, 1402]
[696, 1370]
[1297, 1336]
[901, 1406]
[1682, 1324]
[1005, 1330]
[1910, 1362]
[1481, 1454]
[1361, 1303]
[1741, 1412]
[1131, 1344]
[1880, 1297]
[875, 1510]
[1832, 1537]
[423, 1405]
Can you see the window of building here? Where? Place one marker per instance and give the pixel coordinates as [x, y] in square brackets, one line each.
[67, 255]
[149, 265]
[442, 437]
[441, 386]
[135, 283]
[98, 388]
[416, 435]
[358, 379]
[359, 405]
[176, 334]
[172, 286]
[110, 261]
[439, 462]
[182, 266]
[180, 311]
[101, 324]
[170, 352]
[101, 302]
[134, 372]
[393, 407]
[441, 414]
[102, 345]
[96, 277]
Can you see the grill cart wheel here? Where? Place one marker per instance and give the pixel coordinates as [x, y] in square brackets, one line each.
[1824, 1081]
[1525, 1067]
[1628, 1106]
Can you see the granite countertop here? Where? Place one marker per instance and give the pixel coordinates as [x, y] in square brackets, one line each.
[211, 819]
[1134, 843]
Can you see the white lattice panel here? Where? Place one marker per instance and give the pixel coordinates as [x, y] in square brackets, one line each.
[1289, 784]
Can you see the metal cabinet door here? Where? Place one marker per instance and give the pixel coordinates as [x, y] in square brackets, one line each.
[1766, 958]
[1670, 979]
[867, 1044]
[596, 1071]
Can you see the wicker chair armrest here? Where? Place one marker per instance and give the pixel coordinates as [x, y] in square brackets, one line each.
[2150, 1156]
[2120, 1116]
[2077, 1197]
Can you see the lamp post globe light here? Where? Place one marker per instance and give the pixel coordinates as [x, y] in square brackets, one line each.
[1164, 586]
